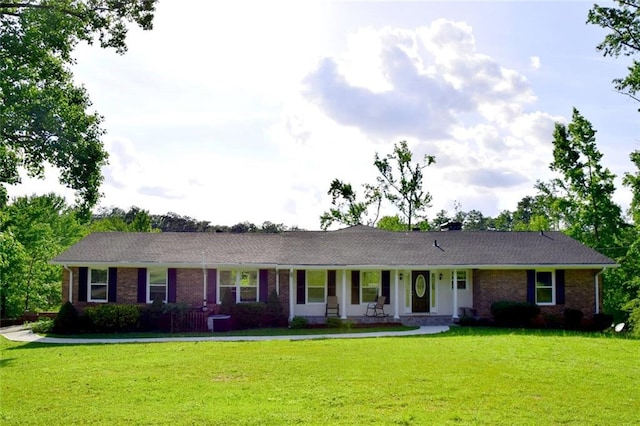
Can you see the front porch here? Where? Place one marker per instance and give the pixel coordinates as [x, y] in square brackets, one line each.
[407, 320]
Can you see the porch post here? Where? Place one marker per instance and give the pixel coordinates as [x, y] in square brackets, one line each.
[396, 296]
[343, 305]
[455, 294]
[291, 295]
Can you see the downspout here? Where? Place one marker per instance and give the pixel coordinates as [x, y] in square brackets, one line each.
[291, 295]
[277, 281]
[70, 283]
[204, 285]
[597, 290]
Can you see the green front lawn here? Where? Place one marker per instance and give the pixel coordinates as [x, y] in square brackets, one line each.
[466, 376]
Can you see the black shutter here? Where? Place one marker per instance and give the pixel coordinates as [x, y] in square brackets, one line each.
[300, 286]
[560, 287]
[331, 283]
[142, 285]
[113, 283]
[531, 286]
[83, 275]
[212, 284]
[355, 287]
[173, 284]
[386, 286]
[263, 285]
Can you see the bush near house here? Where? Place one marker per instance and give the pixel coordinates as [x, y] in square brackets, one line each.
[573, 319]
[298, 323]
[113, 318]
[514, 314]
[247, 315]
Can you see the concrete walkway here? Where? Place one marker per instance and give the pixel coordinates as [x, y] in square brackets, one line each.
[20, 334]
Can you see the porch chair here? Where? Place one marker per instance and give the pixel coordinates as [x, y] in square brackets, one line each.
[376, 309]
[333, 307]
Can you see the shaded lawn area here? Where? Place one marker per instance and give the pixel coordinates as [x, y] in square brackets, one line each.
[466, 376]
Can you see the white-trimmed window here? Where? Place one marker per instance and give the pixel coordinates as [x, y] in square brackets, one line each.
[316, 284]
[243, 285]
[157, 284]
[545, 288]
[462, 279]
[370, 282]
[98, 284]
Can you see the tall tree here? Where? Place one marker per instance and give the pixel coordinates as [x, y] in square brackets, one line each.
[44, 116]
[400, 182]
[624, 39]
[632, 180]
[347, 208]
[586, 201]
[36, 229]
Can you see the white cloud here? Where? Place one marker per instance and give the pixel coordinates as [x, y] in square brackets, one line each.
[535, 62]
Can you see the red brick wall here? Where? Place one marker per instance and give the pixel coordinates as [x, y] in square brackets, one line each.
[189, 287]
[493, 285]
[127, 291]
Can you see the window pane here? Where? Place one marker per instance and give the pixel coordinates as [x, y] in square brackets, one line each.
[369, 294]
[315, 294]
[225, 290]
[370, 278]
[157, 276]
[544, 295]
[98, 292]
[227, 278]
[248, 294]
[99, 276]
[316, 278]
[157, 292]
[249, 278]
[543, 279]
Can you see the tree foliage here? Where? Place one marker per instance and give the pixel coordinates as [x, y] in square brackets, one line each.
[347, 208]
[33, 231]
[400, 182]
[624, 39]
[45, 117]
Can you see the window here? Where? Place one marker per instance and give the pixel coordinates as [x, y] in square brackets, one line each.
[369, 286]
[316, 283]
[462, 280]
[157, 288]
[545, 288]
[242, 285]
[98, 279]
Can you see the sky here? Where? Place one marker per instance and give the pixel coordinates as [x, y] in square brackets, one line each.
[247, 110]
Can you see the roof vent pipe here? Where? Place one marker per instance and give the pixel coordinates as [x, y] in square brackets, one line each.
[435, 243]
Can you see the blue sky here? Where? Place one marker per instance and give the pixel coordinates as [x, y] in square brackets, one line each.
[239, 111]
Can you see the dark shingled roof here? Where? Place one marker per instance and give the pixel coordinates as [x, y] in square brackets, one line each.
[354, 246]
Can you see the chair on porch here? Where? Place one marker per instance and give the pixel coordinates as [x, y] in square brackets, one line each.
[376, 309]
[333, 307]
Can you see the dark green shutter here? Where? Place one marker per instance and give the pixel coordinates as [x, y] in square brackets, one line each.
[300, 286]
[142, 285]
[355, 287]
[113, 283]
[263, 285]
[386, 286]
[172, 291]
[212, 284]
[560, 287]
[331, 283]
[531, 286]
[83, 277]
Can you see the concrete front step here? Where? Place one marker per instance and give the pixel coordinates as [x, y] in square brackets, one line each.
[409, 320]
[421, 320]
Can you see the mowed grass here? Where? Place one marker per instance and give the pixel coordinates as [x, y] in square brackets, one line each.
[466, 376]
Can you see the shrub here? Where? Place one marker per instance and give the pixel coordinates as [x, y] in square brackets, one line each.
[513, 314]
[153, 317]
[634, 316]
[274, 312]
[298, 323]
[247, 315]
[228, 303]
[602, 321]
[42, 326]
[468, 321]
[572, 318]
[176, 313]
[109, 317]
[67, 320]
[334, 323]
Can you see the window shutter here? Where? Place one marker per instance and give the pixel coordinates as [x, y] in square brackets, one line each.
[263, 285]
[355, 287]
[560, 287]
[142, 285]
[212, 285]
[113, 282]
[83, 276]
[386, 286]
[172, 283]
[331, 283]
[531, 286]
[300, 286]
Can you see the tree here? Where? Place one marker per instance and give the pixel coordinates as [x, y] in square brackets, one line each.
[44, 116]
[35, 229]
[584, 191]
[400, 182]
[391, 223]
[347, 210]
[633, 182]
[624, 39]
